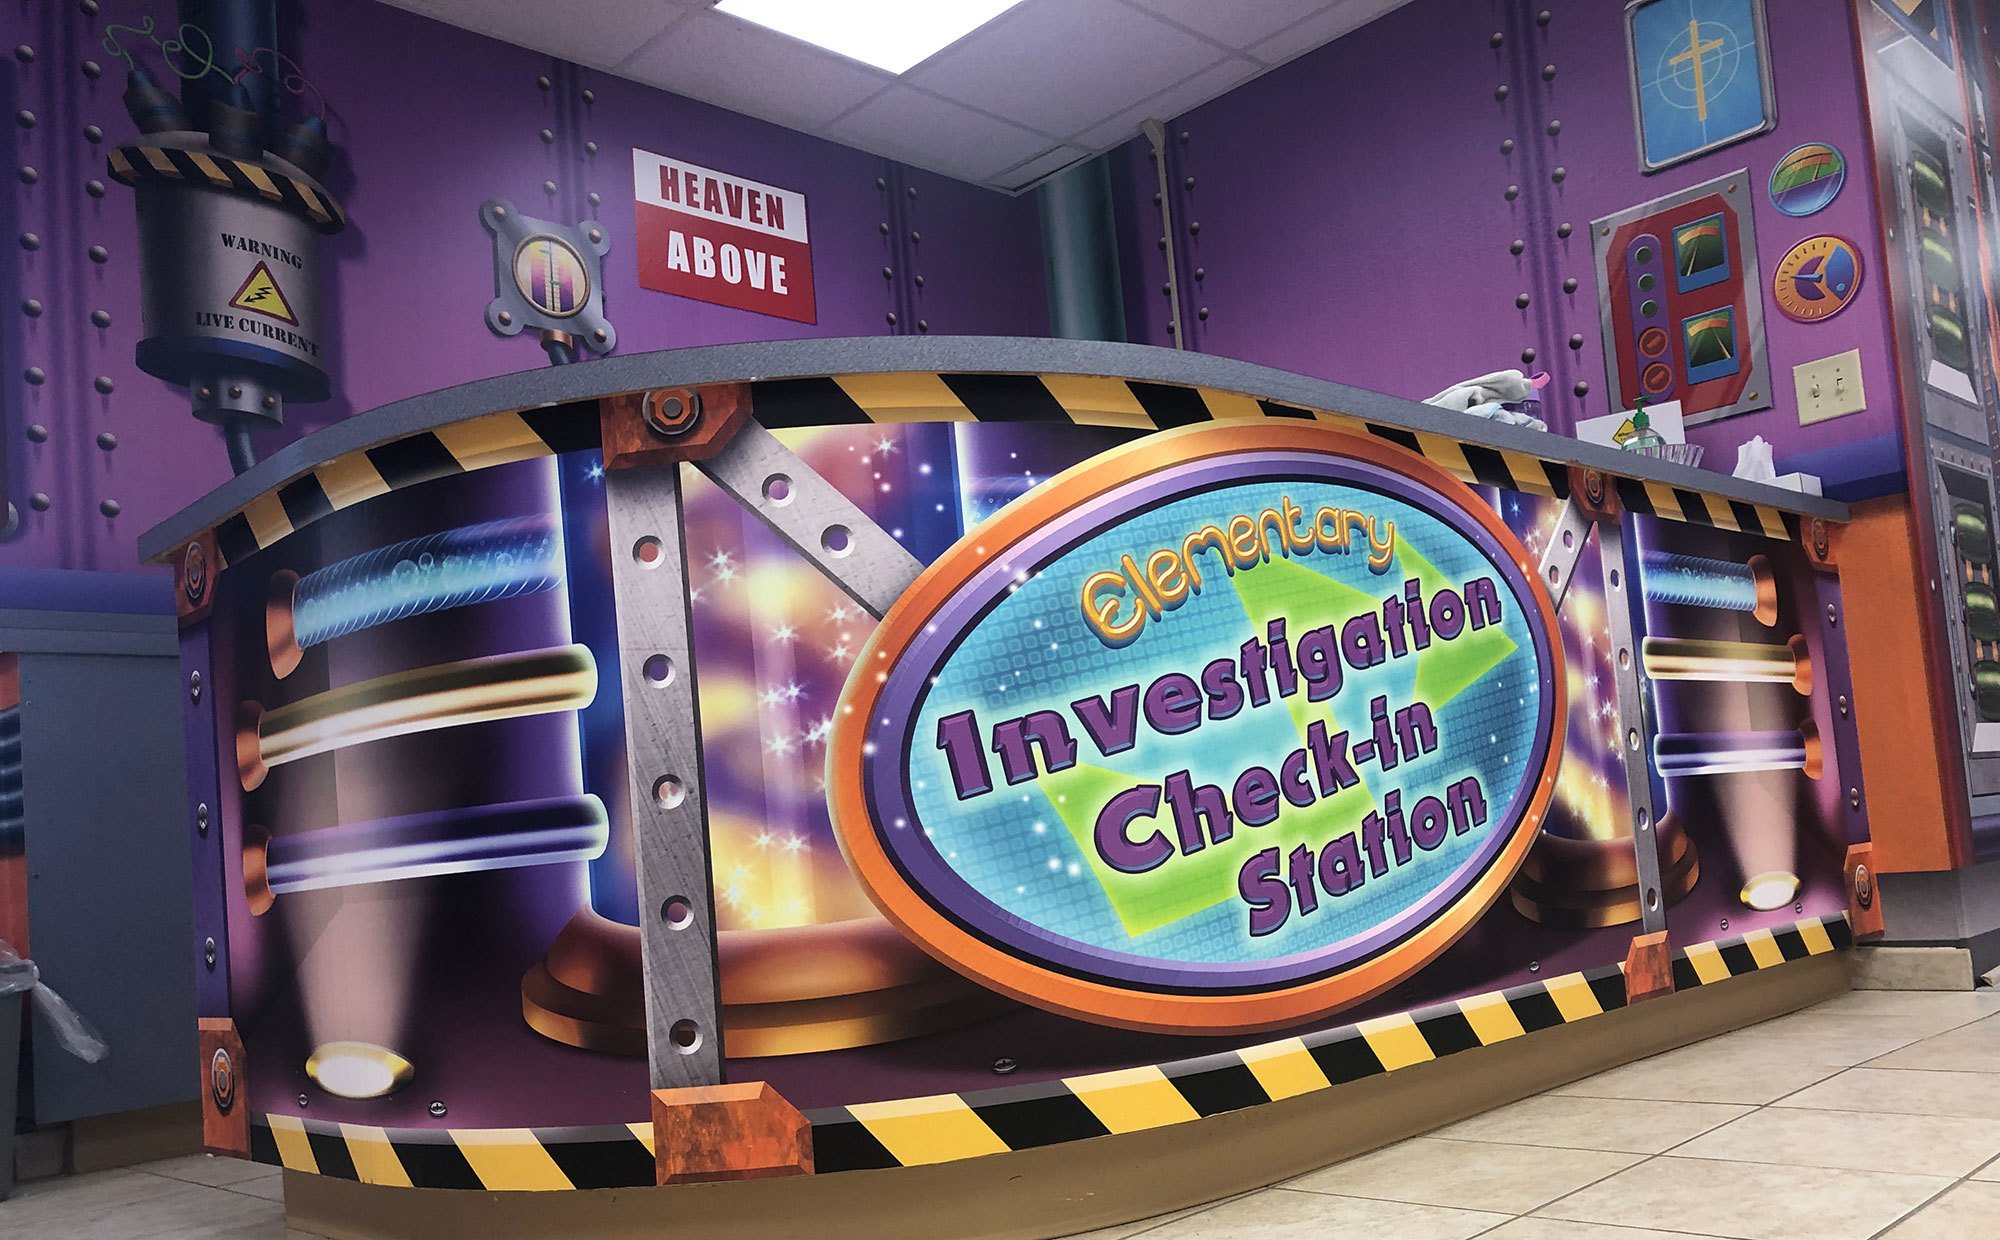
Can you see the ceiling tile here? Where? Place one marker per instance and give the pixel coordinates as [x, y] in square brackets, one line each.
[1060, 65]
[935, 133]
[1182, 97]
[598, 34]
[1038, 167]
[749, 69]
[1237, 25]
[1324, 27]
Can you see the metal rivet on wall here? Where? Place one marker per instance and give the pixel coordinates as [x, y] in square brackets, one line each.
[201, 818]
[1554, 127]
[1564, 230]
[1843, 705]
[208, 954]
[1569, 285]
[542, 82]
[1576, 342]
[25, 54]
[912, 191]
[891, 317]
[1548, 73]
[110, 508]
[916, 238]
[29, 241]
[1527, 355]
[39, 501]
[98, 254]
[549, 187]
[1582, 388]
[1518, 246]
[1559, 175]
[26, 118]
[438, 1109]
[919, 281]
[103, 384]
[505, 317]
[107, 441]
[1522, 301]
[194, 686]
[1513, 192]
[888, 273]
[32, 308]
[590, 96]
[1542, 18]
[1854, 797]
[923, 325]
[28, 175]
[548, 136]
[592, 198]
[1163, 243]
[89, 8]
[883, 228]
[37, 433]
[92, 70]
[1201, 273]
[1506, 146]
[1832, 614]
[1202, 314]
[92, 134]
[94, 188]
[1194, 228]
[35, 375]
[1500, 92]
[1186, 137]
[881, 184]
[590, 148]
[1188, 184]
[1495, 39]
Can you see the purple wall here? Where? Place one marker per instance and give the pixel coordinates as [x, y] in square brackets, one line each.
[430, 122]
[1354, 222]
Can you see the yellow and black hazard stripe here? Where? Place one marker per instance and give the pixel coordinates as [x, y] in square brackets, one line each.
[133, 164]
[914, 1131]
[949, 1126]
[460, 447]
[924, 396]
[509, 1159]
[1701, 508]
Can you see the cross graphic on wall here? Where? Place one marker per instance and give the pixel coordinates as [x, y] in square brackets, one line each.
[1693, 56]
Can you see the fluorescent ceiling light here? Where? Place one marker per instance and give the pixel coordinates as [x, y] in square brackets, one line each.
[889, 34]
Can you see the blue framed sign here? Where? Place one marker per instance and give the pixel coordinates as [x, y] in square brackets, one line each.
[1701, 76]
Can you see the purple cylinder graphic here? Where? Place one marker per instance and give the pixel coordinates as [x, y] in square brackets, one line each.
[1725, 753]
[461, 841]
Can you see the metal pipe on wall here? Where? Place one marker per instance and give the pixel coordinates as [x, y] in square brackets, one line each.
[1080, 253]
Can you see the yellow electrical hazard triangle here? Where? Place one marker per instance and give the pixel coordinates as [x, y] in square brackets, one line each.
[1624, 432]
[260, 294]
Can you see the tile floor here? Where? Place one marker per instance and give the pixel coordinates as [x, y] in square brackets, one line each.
[1874, 1114]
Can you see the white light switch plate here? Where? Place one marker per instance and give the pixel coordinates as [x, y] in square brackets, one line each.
[1829, 387]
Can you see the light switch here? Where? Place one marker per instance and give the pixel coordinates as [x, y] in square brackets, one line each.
[1829, 387]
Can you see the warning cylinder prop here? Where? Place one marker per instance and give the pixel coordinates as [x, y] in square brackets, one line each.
[1224, 730]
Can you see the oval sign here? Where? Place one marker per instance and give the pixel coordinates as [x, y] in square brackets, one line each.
[1222, 730]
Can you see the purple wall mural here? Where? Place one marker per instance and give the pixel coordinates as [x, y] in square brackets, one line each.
[429, 122]
[1348, 215]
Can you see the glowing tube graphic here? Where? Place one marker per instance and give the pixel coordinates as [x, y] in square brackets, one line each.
[455, 568]
[1690, 581]
[459, 841]
[1725, 753]
[1686, 658]
[506, 686]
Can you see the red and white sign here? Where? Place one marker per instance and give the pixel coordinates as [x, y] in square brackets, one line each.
[714, 237]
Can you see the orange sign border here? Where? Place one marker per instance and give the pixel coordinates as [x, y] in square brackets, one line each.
[1096, 1001]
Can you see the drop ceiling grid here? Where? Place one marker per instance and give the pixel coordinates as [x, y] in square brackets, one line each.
[1044, 84]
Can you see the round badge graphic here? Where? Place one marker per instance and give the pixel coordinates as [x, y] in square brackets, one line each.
[1817, 278]
[1808, 179]
[551, 275]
